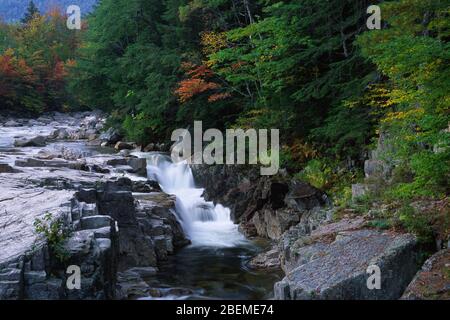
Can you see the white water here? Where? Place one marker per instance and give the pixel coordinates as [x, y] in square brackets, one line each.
[204, 223]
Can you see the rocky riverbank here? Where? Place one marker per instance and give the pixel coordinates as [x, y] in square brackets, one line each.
[119, 225]
[322, 256]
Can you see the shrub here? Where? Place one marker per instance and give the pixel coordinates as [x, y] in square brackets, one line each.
[55, 233]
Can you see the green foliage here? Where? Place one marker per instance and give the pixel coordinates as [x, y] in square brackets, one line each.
[416, 222]
[55, 233]
[317, 173]
[413, 55]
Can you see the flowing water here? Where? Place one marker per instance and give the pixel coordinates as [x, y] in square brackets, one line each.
[215, 264]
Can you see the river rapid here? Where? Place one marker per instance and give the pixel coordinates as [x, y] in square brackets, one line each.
[215, 264]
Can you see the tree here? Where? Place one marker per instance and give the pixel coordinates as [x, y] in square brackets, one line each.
[31, 12]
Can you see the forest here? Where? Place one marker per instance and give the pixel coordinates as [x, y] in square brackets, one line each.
[309, 68]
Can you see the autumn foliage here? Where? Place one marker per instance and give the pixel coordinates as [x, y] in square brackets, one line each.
[198, 81]
[34, 61]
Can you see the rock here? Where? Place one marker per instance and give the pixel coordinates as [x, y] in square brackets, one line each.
[432, 282]
[125, 153]
[99, 169]
[10, 290]
[31, 162]
[11, 123]
[95, 222]
[61, 134]
[111, 136]
[266, 260]
[117, 162]
[144, 272]
[33, 277]
[86, 195]
[334, 266]
[6, 168]
[145, 186]
[123, 145]
[150, 147]
[79, 244]
[38, 141]
[46, 155]
[358, 190]
[33, 122]
[264, 206]
[10, 274]
[130, 285]
[139, 166]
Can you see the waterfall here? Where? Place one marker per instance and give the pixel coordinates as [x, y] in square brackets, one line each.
[204, 223]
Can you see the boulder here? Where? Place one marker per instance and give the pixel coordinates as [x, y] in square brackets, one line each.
[125, 153]
[38, 141]
[432, 282]
[96, 222]
[150, 147]
[111, 136]
[359, 190]
[334, 265]
[123, 145]
[139, 165]
[61, 134]
[32, 162]
[6, 168]
[45, 154]
[11, 123]
[266, 260]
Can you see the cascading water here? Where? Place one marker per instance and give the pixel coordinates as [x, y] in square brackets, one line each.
[204, 223]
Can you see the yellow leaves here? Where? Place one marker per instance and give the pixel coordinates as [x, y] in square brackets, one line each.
[213, 41]
[404, 115]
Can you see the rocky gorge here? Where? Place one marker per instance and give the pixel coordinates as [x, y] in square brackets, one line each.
[325, 254]
[118, 228]
[128, 219]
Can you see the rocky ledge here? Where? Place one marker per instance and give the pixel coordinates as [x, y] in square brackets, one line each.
[117, 225]
[322, 258]
[432, 282]
[332, 263]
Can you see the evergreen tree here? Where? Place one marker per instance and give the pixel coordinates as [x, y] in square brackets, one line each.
[32, 10]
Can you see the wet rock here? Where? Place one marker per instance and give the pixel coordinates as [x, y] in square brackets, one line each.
[264, 206]
[111, 136]
[46, 155]
[31, 162]
[61, 134]
[99, 169]
[138, 165]
[266, 260]
[130, 285]
[11, 123]
[125, 153]
[150, 147]
[6, 168]
[123, 145]
[117, 162]
[145, 186]
[432, 282]
[38, 141]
